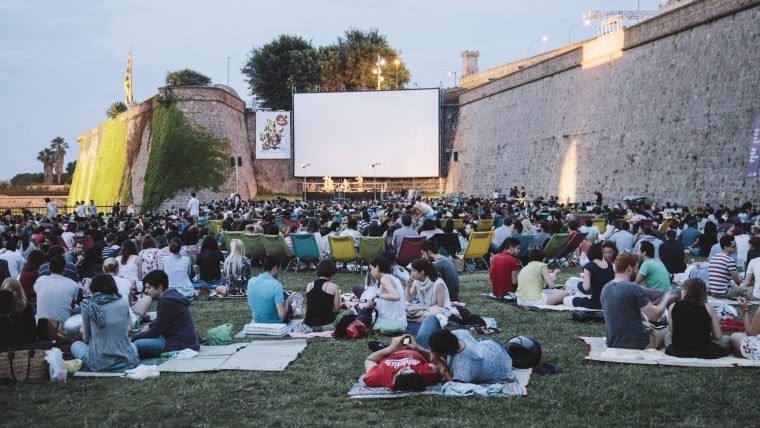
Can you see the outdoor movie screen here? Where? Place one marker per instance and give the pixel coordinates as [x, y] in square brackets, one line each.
[341, 133]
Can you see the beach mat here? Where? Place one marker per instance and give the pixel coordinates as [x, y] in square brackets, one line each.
[520, 387]
[259, 355]
[596, 350]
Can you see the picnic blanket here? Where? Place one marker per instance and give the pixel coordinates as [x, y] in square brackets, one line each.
[262, 330]
[562, 308]
[519, 386]
[259, 355]
[597, 350]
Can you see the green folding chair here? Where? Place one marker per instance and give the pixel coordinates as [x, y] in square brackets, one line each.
[369, 248]
[276, 247]
[254, 247]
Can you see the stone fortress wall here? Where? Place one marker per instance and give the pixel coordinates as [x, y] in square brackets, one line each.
[663, 109]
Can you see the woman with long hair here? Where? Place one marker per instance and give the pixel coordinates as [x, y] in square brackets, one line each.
[425, 285]
[694, 325]
[389, 300]
[130, 264]
[237, 270]
[178, 268]
[209, 263]
[705, 241]
[149, 254]
[596, 274]
[17, 323]
[30, 272]
[322, 298]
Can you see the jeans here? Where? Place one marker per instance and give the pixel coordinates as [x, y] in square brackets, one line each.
[150, 348]
[429, 326]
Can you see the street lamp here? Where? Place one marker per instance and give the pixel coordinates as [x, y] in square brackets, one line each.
[378, 70]
[543, 39]
[374, 165]
[304, 166]
[454, 73]
[570, 28]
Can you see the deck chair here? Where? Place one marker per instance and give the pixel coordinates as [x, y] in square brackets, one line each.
[229, 236]
[276, 247]
[305, 248]
[458, 223]
[666, 225]
[448, 243]
[526, 240]
[342, 249]
[478, 247]
[600, 223]
[572, 244]
[485, 225]
[553, 248]
[369, 248]
[62, 243]
[410, 249]
[254, 247]
[214, 226]
[498, 222]
[86, 241]
[278, 220]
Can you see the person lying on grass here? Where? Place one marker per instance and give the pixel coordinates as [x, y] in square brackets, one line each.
[623, 302]
[402, 366]
[173, 329]
[532, 279]
[747, 344]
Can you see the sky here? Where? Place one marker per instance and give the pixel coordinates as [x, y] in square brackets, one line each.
[62, 63]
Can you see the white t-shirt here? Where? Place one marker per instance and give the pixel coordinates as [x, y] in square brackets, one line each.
[125, 287]
[194, 206]
[754, 269]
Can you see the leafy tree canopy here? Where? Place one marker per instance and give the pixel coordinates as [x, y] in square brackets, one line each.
[275, 68]
[115, 109]
[186, 77]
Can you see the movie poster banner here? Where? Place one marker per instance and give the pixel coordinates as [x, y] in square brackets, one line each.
[272, 135]
[754, 151]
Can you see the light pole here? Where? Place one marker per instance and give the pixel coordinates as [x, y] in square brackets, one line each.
[304, 166]
[454, 73]
[380, 62]
[570, 29]
[374, 165]
[543, 39]
[396, 62]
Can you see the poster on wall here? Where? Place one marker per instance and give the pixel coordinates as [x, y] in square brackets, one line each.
[754, 151]
[272, 135]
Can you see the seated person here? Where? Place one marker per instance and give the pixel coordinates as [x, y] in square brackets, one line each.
[596, 274]
[623, 302]
[671, 253]
[747, 344]
[56, 296]
[445, 267]
[209, 263]
[322, 298]
[532, 279]
[653, 275]
[724, 281]
[504, 268]
[428, 288]
[237, 271]
[460, 357]
[402, 367]
[17, 325]
[389, 300]
[266, 296]
[105, 319]
[173, 329]
[694, 325]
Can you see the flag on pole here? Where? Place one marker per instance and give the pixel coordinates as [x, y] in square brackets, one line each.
[128, 81]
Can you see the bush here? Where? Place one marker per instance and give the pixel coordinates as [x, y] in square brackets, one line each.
[115, 109]
[187, 77]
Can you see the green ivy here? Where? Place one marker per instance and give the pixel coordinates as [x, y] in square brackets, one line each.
[182, 156]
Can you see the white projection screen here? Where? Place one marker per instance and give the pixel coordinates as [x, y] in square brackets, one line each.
[341, 133]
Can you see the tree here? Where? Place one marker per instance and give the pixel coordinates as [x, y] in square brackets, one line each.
[70, 168]
[351, 63]
[278, 66]
[115, 109]
[186, 77]
[47, 157]
[58, 146]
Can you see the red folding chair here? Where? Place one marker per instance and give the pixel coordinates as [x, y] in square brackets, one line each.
[410, 249]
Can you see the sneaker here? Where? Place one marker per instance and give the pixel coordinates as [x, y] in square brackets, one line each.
[376, 345]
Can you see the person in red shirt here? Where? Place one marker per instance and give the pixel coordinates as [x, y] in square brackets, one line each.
[402, 366]
[503, 271]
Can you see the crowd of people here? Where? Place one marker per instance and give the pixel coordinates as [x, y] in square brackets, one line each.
[88, 279]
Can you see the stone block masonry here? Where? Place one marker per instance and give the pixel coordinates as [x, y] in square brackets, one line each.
[663, 109]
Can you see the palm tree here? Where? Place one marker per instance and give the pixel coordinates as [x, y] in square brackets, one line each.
[59, 147]
[47, 157]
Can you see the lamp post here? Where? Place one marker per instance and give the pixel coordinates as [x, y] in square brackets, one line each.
[585, 23]
[454, 73]
[304, 166]
[543, 39]
[374, 165]
[378, 70]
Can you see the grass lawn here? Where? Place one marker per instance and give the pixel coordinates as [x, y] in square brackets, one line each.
[312, 390]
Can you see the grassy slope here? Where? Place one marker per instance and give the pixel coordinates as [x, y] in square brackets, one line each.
[312, 391]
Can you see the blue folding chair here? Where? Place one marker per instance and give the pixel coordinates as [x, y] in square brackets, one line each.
[305, 249]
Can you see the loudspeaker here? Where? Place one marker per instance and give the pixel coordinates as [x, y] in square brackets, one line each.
[456, 156]
[232, 162]
[240, 161]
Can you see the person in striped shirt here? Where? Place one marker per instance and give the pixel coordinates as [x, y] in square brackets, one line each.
[723, 270]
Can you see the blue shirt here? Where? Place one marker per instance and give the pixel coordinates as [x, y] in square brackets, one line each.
[264, 293]
[484, 361]
[688, 236]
